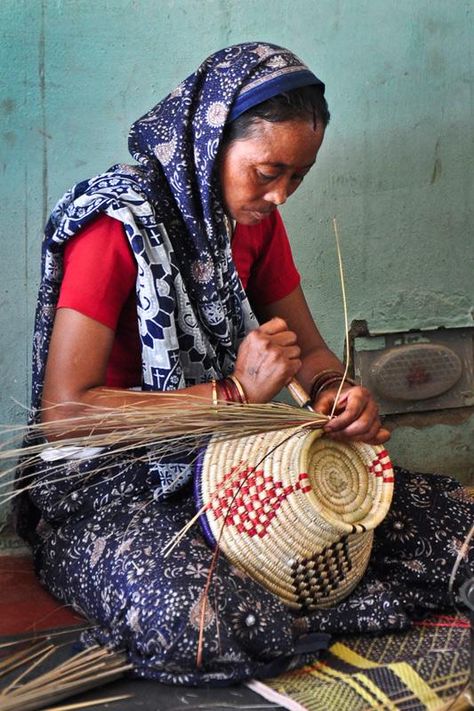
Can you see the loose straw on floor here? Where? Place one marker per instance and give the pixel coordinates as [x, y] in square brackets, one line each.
[87, 669]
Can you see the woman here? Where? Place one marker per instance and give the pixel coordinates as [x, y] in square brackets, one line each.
[154, 276]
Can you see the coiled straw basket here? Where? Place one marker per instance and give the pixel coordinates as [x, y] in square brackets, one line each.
[294, 510]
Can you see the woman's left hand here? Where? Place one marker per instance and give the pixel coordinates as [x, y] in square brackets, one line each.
[356, 416]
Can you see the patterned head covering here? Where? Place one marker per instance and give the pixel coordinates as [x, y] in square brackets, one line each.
[192, 309]
[183, 132]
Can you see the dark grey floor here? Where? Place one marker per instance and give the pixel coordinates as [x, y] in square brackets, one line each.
[151, 696]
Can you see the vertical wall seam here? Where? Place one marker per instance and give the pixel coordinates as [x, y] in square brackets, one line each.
[42, 88]
[26, 342]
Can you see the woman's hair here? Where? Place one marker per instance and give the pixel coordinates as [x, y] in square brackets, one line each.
[306, 103]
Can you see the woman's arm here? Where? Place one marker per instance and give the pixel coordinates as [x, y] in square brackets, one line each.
[80, 348]
[315, 354]
[357, 413]
[79, 351]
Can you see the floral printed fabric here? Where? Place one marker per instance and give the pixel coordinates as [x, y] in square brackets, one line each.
[102, 551]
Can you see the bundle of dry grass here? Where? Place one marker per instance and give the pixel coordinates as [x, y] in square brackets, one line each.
[171, 426]
[33, 689]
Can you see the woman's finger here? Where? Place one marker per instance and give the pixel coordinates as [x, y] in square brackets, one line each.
[363, 427]
[376, 435]
[275, 325]
[383, 435]
[380, 437]
[292, 352]
[325, 401]
[284, 338]
[357, 403]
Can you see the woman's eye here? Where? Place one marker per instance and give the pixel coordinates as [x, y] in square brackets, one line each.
[266, 177]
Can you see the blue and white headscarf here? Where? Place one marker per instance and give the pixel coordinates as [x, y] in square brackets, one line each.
[192, 309]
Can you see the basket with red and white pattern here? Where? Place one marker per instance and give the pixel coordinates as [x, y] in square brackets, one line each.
[294, 510]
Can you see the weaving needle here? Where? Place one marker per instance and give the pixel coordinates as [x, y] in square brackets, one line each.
[299, 395]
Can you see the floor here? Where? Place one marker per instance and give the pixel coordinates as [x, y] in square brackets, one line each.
[27, 610]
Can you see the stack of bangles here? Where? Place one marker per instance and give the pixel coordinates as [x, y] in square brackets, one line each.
[228, 390]
[325, 379]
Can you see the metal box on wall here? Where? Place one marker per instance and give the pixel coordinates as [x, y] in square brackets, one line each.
[417, 371]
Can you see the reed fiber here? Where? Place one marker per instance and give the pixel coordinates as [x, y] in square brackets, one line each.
[184, 427]
[33, 688]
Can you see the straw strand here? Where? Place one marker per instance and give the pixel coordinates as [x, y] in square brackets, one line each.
[87, 669]
[346, 320]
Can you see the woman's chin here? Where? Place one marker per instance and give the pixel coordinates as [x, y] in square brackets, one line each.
[250, 217]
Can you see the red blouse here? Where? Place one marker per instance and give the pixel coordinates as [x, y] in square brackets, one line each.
[100, 272]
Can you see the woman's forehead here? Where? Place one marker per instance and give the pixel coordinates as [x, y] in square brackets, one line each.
[283, 144]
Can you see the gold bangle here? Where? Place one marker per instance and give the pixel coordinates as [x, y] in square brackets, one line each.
[238, 385]
[214, 392]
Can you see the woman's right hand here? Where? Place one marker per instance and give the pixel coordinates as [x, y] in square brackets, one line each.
[268, 358]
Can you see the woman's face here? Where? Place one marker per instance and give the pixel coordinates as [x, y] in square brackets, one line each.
[262, 171]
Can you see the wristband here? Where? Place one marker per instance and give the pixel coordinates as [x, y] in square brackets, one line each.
[224, 392]
[325, 379]
[214, 392]
[242, 397]
[230, 389]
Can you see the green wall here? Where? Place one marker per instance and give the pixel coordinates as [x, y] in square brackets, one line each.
[396, 167]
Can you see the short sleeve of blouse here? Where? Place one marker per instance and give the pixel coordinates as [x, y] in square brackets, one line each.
[264, 261]
[99, 271]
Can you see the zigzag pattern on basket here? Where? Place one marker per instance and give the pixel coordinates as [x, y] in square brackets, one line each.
[251, 506]
[296, 513]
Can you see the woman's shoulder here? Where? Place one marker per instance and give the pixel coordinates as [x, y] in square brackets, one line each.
[104, 240]
[122, 186]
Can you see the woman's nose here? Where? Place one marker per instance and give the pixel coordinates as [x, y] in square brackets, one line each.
[278, 193]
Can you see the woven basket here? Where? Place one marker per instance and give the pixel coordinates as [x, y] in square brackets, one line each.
[297, 512]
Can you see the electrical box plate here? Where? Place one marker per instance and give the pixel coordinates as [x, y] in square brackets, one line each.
[417, 370]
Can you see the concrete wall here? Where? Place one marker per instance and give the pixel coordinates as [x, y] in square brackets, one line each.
[396, 168]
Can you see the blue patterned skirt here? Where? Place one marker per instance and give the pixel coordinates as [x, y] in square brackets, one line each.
[99, 547]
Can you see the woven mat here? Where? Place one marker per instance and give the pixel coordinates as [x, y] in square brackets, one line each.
[415, 670]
